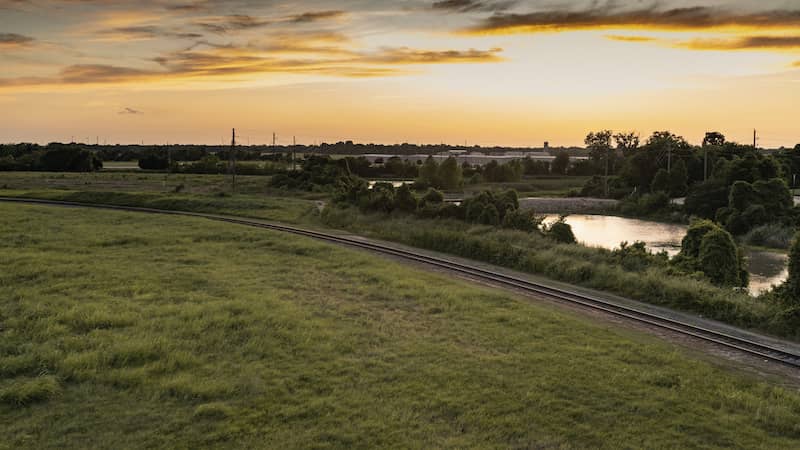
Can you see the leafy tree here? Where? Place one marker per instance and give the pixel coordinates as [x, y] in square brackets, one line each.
[705, 199]
[490, 216]
[678, 180]
[719, 258]
[560, 163]
[627, 142]
[450, 175]
[561, 232]
[791, 288]
[599, 146]
[405, 200]
[522, 220]
[433, 196]
[429, 172]
[690, 245]
[714, 139]
[661, 182]
[153, 161]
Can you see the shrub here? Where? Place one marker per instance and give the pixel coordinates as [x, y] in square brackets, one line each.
[660, 181]
[522, 220]
[433, 196]
[490, 216]
[719, 258]
[690, 245]
[405, 200]
[561, 232]
[791, 289]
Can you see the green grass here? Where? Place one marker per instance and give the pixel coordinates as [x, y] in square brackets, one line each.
[285, 209]
[535, 186]
[577, 265]
[123, 330]
[135, 182]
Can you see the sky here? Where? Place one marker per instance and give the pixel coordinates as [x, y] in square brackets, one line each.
[480, 72]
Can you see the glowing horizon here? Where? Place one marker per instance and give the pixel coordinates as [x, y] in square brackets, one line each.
[488, 72]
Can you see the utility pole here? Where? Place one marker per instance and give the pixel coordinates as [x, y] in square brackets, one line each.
[294, 147]
[608, 155]
[755, 138]
[232, 161]
[273, 141]
[669, 157]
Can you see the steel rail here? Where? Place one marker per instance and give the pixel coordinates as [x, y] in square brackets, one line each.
[720, 338]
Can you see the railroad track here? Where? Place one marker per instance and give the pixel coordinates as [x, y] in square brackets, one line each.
[747, 346]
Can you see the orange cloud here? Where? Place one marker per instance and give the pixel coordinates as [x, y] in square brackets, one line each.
[615, 37]
[240, 63]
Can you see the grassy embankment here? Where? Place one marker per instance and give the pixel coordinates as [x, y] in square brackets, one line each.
[535, 186]
[124, 330]
[588, 267]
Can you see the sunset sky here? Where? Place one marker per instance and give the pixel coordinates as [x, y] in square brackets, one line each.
[488, 72]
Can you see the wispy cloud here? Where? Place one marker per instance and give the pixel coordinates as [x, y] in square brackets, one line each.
[675, 19]
[616, 37]
[744, 43]
[130, 111]
[13, 40]
[467, 6]
[224, 62]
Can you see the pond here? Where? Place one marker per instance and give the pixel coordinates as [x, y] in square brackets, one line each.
[766, 268]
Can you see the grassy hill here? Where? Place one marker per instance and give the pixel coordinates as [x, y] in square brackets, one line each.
[120, 330]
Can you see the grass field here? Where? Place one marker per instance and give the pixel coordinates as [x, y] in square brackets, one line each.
[535, 186]
[118, 181]
[124, 330]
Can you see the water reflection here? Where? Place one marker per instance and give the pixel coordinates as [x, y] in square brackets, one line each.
[766, 268]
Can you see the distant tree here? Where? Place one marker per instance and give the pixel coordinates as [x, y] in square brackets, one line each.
[560, 163]
[627, 142]
[450, 175]
[714, 139]
[661, 181]
[405, 199]
[599, 146]
[678, 180]
[433, 196]
[429, 172]
[705, 199]
[153, 161]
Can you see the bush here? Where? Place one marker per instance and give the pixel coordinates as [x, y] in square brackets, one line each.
[636, 257]
[791, 288]
[690, 245]
[522, 220]
[433, 196]
[405, 200]
[561, 232]
[660, 182]
[719, 258]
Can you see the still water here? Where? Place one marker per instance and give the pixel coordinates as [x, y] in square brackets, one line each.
[766, 268]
